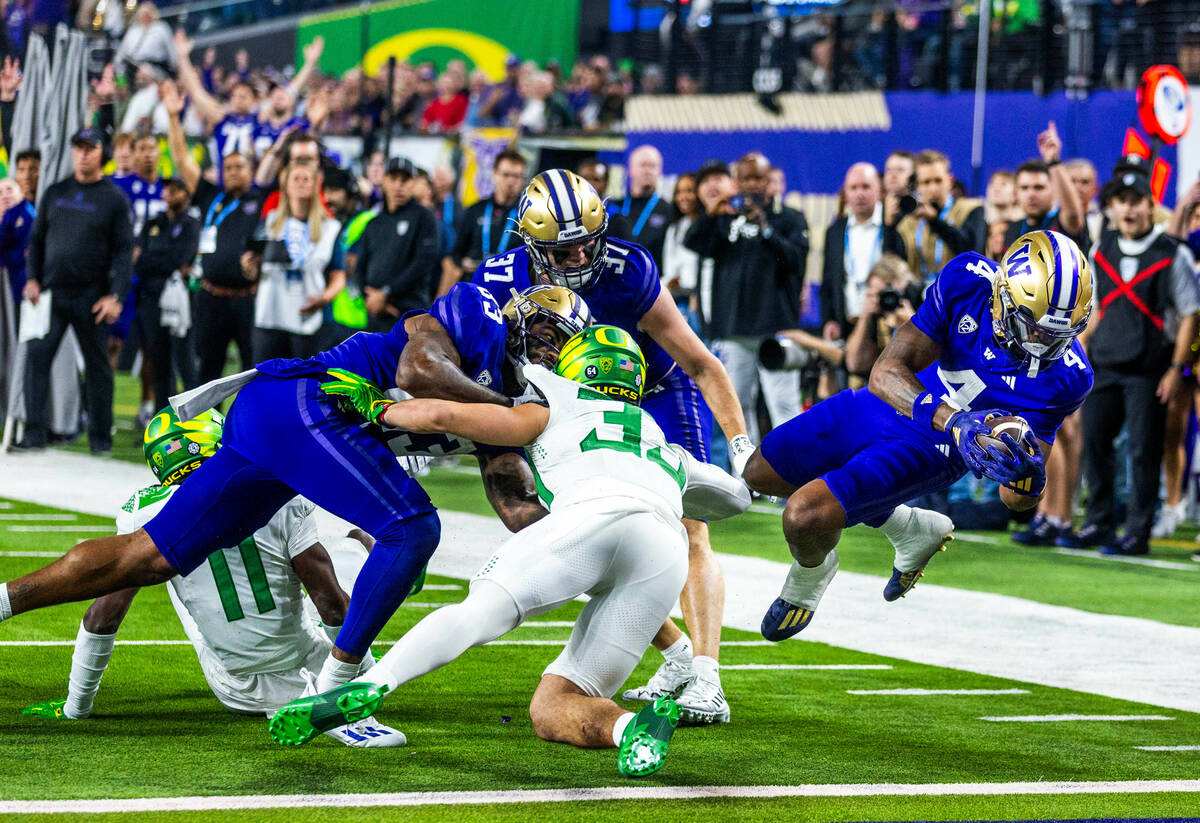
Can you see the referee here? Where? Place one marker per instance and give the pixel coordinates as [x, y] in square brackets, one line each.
[81, 249]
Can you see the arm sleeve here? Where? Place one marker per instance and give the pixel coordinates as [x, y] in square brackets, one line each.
[363, 249]
[790, 246]
[7, 108]
[121, 270]
[301, 526]
[956, 239]
[708, 235]
[463, 234]
[894, 243]
[188, 245]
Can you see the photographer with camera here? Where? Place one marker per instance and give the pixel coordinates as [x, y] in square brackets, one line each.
[758, 251]
[934, 226]
[892, 296]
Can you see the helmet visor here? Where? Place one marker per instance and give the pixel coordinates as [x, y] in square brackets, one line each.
[1038, 341]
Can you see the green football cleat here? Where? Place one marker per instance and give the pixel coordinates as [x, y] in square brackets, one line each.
[419, 583]
[304, 718]
[51, 708]
[644, 744]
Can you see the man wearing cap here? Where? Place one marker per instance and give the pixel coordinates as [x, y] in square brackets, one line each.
[489, 226]
[505, 97]
[397, 251]
[162, 255]
[80, 249]
[1146, 300]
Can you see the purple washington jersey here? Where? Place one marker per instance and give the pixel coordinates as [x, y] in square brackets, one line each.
[235, 132]
[145, 198]
[470, 316]
[619, 295]
[973, 373]
[265, 133]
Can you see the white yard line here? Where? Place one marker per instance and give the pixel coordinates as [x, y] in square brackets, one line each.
[1068, 718]
[827, 667]
[1136, 561]
[86, 529]
[298, 801]
[998, 635]
[1169, 748]
[442, 587]
[31, 554]
[47, 517]
[118, 642]
[932, 692]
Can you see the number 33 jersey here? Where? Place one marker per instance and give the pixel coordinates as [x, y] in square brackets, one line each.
[595, 447]
[246, 600]
[974, 373]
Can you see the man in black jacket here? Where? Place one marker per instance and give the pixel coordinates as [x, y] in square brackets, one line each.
[488, 226]
[80, 249]
[759, 252]
[397, 252]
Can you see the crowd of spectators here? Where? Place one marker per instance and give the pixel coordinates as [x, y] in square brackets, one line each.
[274, 243]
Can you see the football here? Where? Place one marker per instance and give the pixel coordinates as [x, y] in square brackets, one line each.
[1014, 426]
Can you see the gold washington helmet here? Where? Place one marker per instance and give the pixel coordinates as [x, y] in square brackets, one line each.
[563, 310]
[1042, 297]
[559, 212]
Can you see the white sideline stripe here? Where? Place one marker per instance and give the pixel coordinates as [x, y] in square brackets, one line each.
[928, 692]
[827, 667]
[118, 642]
[5, 505]
[31, 554]
[106, 529]
[1137, 561]
[4, 643]
[48, 517]
[1169, 748]
[1057, 718]
[297, 801]
[441, 587]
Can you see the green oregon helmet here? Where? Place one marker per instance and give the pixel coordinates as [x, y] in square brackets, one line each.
[606, 359]
[174, 448]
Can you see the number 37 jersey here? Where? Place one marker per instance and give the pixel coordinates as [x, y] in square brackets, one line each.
[595, 447]
[246, 600]
[974, 373]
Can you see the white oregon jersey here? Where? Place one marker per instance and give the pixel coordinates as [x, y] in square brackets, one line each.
[246, 600]
[595, 446]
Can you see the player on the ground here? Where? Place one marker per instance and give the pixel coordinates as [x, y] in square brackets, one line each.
[563, 224]
[243, 610]
[614, 489]
[989, 340]
[284, 437]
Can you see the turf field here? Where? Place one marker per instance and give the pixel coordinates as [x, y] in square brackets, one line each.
[820, 731]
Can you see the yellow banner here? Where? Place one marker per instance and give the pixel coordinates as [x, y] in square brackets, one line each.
[479, 149]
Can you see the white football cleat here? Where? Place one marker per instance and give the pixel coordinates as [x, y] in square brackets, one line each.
[668, 681]
[1168, 520]
[917, 540]
[368, 733]
[702, 702]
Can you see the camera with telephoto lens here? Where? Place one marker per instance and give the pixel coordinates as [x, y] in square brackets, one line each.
[889, 300]
[782, 354]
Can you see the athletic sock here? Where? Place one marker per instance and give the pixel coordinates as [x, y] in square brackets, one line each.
[334, 673]
[679, 652]
[5, 606]
[620, 726]
[88, 662]
[1056, 522]
[331, 632]
[706, 668]
[895, 526]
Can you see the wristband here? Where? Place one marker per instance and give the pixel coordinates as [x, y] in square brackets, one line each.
[924, 408]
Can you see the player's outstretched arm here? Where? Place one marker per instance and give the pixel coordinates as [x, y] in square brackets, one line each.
[430, 366]
[481, 422]
[894, 375]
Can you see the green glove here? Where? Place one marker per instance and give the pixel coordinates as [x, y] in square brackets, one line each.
[365, 397]
[51, 708]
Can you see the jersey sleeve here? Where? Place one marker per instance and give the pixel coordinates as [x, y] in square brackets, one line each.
[962, 278]
[472, 318]
[646, 283]
[301, 524]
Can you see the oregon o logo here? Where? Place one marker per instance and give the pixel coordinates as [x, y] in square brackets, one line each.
[611, 335]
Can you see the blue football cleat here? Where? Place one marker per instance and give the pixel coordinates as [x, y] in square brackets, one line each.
[783, 620]
[921, 536]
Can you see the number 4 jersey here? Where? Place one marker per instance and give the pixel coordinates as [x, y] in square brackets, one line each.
[974, 373]
[246, 600]
[596, 447]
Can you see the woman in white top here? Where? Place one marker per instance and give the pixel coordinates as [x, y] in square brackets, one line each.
[680, 265]
[299, 266]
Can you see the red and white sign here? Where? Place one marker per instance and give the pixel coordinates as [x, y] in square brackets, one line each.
[1164, 106]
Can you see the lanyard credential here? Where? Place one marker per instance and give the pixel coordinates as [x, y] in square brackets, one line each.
[644, 216]
[926, 274]
[487, 227]
[228, 210]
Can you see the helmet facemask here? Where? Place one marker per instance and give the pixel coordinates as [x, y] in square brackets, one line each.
[1025, 339]
[549, 259]
[529, 321]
